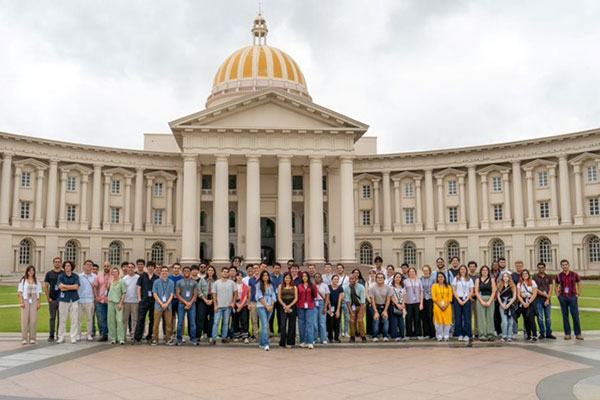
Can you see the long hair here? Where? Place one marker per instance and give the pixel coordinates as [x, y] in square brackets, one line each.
[30, 267]
[360, 277]
[401, 279]
[445, 283]
[263, 288]
[309, 283]
[502, 285]
[214, 272]
[489, 273]
[528, 282]
[291, 282]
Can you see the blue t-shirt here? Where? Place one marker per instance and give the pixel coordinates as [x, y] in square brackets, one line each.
[175, 279]
[334, 295]
[268, 296]
[252, 284]
[68, 296]
[163, 290]
[276, 281]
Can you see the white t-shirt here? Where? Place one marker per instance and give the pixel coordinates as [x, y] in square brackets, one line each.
[25, 288]
[463, 287]
[526, 290]
[131, 285]
[323, 290]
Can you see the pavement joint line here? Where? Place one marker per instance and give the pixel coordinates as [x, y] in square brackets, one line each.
[561, 385]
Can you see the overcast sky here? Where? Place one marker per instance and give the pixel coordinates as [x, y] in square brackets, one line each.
[423, 74]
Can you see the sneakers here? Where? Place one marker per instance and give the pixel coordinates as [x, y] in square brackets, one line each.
[375, 340]
[212, 342]
[352, 339]
[310, 346]
[103, 339]
[303, 345]
[170, 343]
[246, 341]
[73, 341]
[51, 338]
[542, 336]
[24, 342]
[579, 337]
[551, 337]
[386, 339]
[567, 337]
[324, 342]
[90, 338]
[397, 339]
[363, 340]
[267, 348]
[32, 342]
[121, 342]
[154, 343]
[179, 343]
[224, 341]
[195, 342]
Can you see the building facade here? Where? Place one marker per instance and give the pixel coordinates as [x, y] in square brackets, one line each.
[266, 173]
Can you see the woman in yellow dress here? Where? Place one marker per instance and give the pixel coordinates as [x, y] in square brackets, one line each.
[441, 294]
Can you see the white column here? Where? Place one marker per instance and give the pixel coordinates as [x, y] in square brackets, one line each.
[96, 196]
[106, 216]
[485, 206]
[83, 218]
[356, 205]
[418, 205]
[473, 206]
[578, 195]
[138, 224]
[38, 222]
[316, 210]
[565, 191]
[376, 223]
[530, 199]
[306, 194]
[429, 218]
[169, 208]
[507, 216]
[5, 189]
[16, 218]
[221, 211]
[518, 194]
[284, 210]
[51, 198]
[553, 196]
[62, 205]
[179, 205]
[149, 222]
[387, 202]
[441, 226]
[347, 223]
[127, 216]
[397, 207]
[188, 201]
[253, 207]
[462, 204]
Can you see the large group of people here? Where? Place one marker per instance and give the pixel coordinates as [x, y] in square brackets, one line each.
[302, 306]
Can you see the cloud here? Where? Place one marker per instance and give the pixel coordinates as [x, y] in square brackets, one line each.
[423, 74]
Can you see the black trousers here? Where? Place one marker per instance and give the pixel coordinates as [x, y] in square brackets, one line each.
[529, 320]
[497, 318]
[369, 319]
[204, 318]
[287, 327]
[239, 320]
[277, 310]
[427, 318]
[413, 320]
[53, 308]
[333, 327]
[146, 306]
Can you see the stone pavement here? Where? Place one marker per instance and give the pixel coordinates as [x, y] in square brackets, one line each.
[414, 370]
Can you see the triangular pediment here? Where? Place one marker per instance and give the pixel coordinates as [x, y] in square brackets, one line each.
[493, 168]
[119, 171]
[584, 156]
[161, 174]
[450, 171]
[538, 163]
[76, 167]
[367, 176]
[33, 162]
[406, 174]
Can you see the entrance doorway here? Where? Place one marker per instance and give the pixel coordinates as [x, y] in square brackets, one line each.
[267, 240]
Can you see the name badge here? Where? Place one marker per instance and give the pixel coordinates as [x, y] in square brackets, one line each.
[187, 293]
[566, 290]
[56, 287]
[443, 303]
[332, 309]
[305, 304]
[30, 300]
[149, 293]
[164, 299]
[353, 307]
[62, 295]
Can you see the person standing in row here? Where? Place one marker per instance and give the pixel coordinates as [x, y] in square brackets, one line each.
[116, 299]
[526, 293]
[355, 293]
[344, 282]
[507, 295]
[87, 295]
[240, 313]
[276, 279]
[307, 292]
[568, 289]
[516, 277]
[186, 291]
[397, 304]
[146, 307]
[265, 300]
[441, 293]
[380, 301]
[321, 304]
[29, 291]
[205, 312]
[543, 302]
[102, 285]
[371, 281]
[130, 307]
[163, 291]
[485, 289]
[462, 288]
[225, 293]
[287, 295]
[252, 282]
[52, 292]
[336, 301]
[472, 267]
[414, 304]
[427, 313]
[68, 300]
[175, 277]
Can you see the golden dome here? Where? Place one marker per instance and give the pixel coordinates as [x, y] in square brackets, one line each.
[257, 67]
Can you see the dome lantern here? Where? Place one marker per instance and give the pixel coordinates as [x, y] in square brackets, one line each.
[259, 30]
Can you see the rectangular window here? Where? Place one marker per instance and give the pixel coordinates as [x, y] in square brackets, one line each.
[498, 215]
[409, 190]
[26, 179]
[366, 191]
[497, 184]
[543, 179]
[232, 182]
[115, 215]
[71, 212]
[544, 209]
[451, 187]
[592, 173]
[594, 206]
[25, 207]
[297, 182]
[409, 216]
[158, 217]
[159, 189]
[115, 186]
[366, 217]
[324, 184]
[206, 182]
[71, 184]
[453, 215]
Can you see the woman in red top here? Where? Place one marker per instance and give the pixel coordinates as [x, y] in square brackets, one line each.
[307, 292]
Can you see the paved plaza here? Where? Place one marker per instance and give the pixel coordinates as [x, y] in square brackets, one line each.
[415, 370]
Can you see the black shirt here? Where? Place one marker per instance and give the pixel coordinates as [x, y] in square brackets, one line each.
[146, 285]
[52, 280]
[485, 287]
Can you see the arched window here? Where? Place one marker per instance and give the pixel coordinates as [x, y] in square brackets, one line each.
[497, 249]
[231, 221]
[593, 249]
[231, 251]
[452, 249]
[545, 250]
[157, 253]
[203, 221]
[71, 251]
[410, 253]
[25, 248]
[115, 253]
[366, 253]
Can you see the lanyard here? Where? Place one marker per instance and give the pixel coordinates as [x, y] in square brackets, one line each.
[164, 287]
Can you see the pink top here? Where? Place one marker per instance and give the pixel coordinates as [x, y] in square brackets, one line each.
[101, 285]
[305, 299]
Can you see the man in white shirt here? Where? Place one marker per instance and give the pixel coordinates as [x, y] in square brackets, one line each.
[87, 296]
[327, 274]
[130, 306]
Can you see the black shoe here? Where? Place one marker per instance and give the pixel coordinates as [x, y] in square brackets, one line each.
[224, 341]
[541, 337]
[103, 339]
[351, 340]
[51, 339]
[337, 341]
[551, 337]
[363, 340]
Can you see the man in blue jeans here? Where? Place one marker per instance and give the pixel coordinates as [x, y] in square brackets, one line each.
[224, 296]
[381, 296]
[543, 305]
[568, 290]
[186, 291]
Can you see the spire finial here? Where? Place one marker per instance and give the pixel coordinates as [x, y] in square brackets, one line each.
[259, 28]
[259, 8]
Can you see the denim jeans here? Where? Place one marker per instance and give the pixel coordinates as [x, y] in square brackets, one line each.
[263, 317]
[385, 321]
[191, 314]
[507, 323]
[320, 321]
[396, 325]
[101, 316]
[222, 314]
[463, 320]
[569, 304]
[345, 325]
[306, 322]
[543, 316]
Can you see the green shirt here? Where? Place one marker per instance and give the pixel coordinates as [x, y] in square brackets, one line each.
[116, 291]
